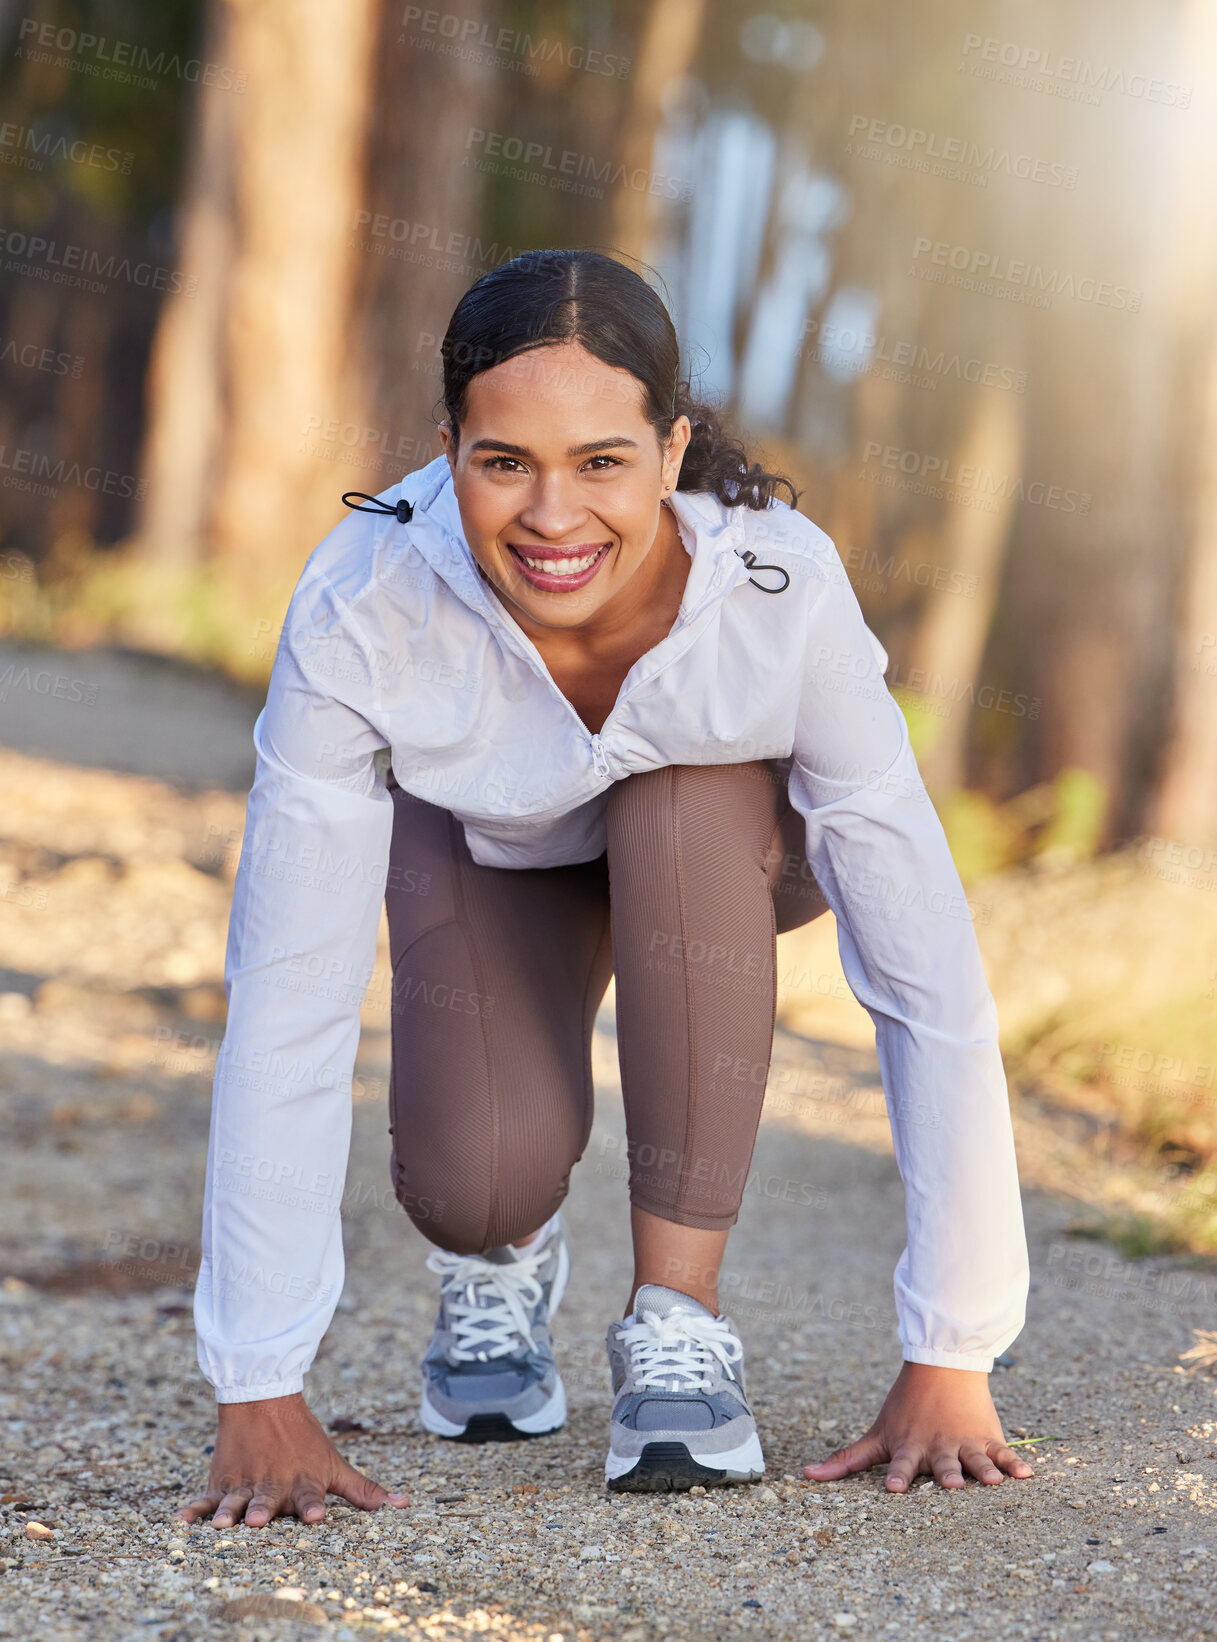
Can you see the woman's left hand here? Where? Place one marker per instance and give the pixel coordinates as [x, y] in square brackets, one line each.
[940, 1420]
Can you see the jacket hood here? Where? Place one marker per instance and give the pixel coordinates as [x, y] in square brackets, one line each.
[712, 533]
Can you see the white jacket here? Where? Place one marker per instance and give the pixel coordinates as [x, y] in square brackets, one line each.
[394, 648]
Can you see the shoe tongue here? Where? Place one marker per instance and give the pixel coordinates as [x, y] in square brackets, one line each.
[507, 1254]
[653, 1297]
[503, 1256]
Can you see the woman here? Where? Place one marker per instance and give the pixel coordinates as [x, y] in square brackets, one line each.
[583, 695]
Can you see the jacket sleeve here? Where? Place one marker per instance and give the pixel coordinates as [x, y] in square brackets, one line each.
[301, 947]
[910, 954]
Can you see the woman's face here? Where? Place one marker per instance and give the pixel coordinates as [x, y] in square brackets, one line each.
[560, 482]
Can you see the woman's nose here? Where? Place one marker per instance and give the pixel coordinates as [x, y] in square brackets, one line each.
[553, 509]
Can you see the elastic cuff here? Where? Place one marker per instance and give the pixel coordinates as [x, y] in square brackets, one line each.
[979, 1362]
[259, 1393]
[683, 1217]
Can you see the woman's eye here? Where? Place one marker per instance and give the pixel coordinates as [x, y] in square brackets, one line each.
[493, 462]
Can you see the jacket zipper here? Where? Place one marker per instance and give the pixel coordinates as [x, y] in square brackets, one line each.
[600, 763]
[525, 646]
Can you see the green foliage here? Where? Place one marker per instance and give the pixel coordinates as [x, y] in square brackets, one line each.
[197, 613]
[925, 726]
[1074, 830]
[1055, 823]
[983, 836]
[1136, 1236]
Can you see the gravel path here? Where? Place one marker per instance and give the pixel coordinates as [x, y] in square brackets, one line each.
[116, 891]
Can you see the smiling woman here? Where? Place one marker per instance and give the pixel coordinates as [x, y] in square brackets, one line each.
[612, 432]
[569, 530]
[535, 701]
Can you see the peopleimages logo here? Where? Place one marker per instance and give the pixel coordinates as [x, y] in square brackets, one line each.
[1012, 63]
[872, 138]
[35, 471]
[32, 356]
[566, 168]
[943, 471]
[81, 268]
[989, 272]
[121, 60]
[464, 36]
[32, 148]
[860, 351]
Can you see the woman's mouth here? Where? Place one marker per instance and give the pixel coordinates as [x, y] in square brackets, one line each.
[560, 572]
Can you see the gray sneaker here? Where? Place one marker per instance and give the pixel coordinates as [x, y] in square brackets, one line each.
[680, 1415]
[489, 1373]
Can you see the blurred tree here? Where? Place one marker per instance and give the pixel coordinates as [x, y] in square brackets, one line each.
[670, 36]
[422, 195]
[953, 633]
[275, 180]
[1186, 801]
[185, 385]
[334, 209]
[95, 94]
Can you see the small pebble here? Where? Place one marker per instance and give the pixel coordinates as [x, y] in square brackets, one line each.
[38, 1530]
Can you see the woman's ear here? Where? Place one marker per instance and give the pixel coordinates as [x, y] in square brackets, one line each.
[674, 452]
[450, 444]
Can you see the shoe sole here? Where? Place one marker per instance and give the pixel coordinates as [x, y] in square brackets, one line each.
[669, 1467]
[493, 1425]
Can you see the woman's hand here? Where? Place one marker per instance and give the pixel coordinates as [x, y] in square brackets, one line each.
[273, 1458]
[933, 1419]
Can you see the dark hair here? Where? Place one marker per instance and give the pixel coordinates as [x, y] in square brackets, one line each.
[584, 296]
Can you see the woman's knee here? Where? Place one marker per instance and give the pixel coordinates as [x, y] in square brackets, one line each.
[466, 1213]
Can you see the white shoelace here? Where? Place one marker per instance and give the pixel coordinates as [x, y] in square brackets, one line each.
[489, 1318]
[678, 1352]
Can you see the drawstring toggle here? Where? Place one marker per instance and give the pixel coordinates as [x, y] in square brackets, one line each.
[749, 558]
[403, 509]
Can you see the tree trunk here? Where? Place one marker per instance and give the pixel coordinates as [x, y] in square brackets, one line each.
[297, 173]
[185, 390]
[954, 630]
[1185, 803]
[255, 354]
[426, 252]
[666, 51]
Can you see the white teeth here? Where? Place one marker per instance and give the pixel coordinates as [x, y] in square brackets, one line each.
[562, 567]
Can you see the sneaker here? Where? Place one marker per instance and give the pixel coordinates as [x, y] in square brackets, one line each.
[680, 1415]
[489, 1372]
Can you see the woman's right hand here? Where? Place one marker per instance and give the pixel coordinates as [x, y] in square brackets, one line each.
[273, 1458]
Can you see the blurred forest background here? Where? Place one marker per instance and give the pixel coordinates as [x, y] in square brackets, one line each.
[952, 266]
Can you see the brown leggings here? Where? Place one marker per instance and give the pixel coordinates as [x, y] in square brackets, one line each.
[498, 974]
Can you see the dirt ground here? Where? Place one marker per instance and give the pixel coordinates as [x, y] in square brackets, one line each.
[115, 888]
